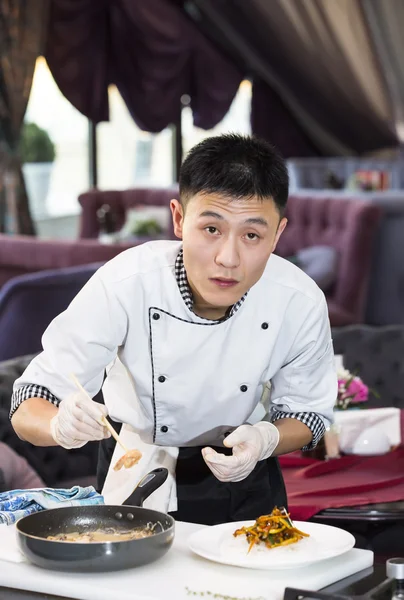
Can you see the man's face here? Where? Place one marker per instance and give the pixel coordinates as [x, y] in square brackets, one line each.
[226, 245]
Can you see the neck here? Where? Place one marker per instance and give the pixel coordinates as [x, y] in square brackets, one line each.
[214, 313]
[204, 310]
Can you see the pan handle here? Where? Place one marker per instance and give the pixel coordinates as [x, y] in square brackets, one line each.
[146, 486]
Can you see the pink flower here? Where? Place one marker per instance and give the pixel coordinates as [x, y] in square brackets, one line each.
[341, 385]
[357, 391]
[351, 390]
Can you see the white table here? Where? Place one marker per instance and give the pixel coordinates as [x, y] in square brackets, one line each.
[173, 576]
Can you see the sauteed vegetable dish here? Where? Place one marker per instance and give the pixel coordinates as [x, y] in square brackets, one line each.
[273, 530]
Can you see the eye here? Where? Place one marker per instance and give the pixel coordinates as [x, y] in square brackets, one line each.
[212, 230]
[252, 236]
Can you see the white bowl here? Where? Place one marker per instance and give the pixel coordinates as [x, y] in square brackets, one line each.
[371, 442]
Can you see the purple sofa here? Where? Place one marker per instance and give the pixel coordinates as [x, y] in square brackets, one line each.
[38, 279]
[350, 227]
[28, 303]
[25, 254]
[120, 202]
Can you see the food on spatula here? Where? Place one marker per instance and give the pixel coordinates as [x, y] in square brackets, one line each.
[273, 530]
[128, 460]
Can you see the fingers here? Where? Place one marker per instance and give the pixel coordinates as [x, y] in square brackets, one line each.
[80, 430]
[65, 438]
[224, 468]
[239, 436]
[80, 420]
[242, 460]
[86, 422]
[60, 439]
[92, 409]
[220, 460]
[225, 475]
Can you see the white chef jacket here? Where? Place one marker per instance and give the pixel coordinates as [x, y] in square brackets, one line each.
[178, 379]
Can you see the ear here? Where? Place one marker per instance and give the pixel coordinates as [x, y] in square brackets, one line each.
[281, 227]
[177, 216]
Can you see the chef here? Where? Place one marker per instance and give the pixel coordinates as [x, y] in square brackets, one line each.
[211, 344]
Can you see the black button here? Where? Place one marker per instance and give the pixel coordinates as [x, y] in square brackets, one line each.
[243, 388]
[156, 316]
[227, 433]
[164, 429]
[264, 326]
[162, 379]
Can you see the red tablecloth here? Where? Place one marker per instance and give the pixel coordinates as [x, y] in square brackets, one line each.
[314, 485]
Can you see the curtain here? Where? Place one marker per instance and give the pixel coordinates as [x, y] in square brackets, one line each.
[386, 24]
[272, 120]
[150, 50]
[314, 61]
[22, 29]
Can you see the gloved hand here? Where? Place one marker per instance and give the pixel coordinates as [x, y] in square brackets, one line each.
[78, 421]
[250, 443]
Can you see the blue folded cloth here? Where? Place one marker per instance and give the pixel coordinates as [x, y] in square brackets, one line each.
[20, 503]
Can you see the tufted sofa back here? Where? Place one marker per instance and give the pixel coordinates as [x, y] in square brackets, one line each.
[348, 226]
[377, 355]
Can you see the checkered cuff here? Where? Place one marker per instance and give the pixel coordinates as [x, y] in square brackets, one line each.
[313, 421]
[31, 391]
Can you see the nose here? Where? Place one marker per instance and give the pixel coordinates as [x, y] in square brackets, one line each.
[228, 255]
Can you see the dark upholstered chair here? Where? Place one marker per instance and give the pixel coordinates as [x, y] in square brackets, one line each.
[55, 465]
[377, 355]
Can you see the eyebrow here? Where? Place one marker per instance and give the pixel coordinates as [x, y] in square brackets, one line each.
[249, 221]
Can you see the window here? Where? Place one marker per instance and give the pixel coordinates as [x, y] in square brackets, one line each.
[53, 190]
[129, 157]
[126, 155]
[237, 119]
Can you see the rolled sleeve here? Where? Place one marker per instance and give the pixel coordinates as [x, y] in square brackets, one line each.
[312, 420]
[31, 391]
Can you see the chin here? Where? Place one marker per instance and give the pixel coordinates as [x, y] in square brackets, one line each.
[223, 299]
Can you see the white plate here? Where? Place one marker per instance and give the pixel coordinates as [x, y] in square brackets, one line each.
[218, 544]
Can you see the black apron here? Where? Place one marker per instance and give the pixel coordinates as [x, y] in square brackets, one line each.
[204, 499]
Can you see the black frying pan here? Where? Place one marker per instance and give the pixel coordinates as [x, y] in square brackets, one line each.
[33, 530]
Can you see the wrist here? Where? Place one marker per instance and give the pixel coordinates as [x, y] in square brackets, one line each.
[31, 421]
[54, 432]
[270, 438]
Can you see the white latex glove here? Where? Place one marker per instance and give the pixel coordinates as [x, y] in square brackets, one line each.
[78, 421]
[250, 444]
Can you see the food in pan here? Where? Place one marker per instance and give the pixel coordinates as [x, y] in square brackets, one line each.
[103, 535]
[128, 460]
[273, 530]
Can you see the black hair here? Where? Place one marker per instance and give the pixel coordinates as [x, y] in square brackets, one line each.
[235, 166]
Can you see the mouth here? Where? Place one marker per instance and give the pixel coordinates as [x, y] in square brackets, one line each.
[223, 282]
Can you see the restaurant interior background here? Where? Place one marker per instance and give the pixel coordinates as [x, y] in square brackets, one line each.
[100, 102]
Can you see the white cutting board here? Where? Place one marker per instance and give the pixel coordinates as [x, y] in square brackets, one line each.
[171, 577]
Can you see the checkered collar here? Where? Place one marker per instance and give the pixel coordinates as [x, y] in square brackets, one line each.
[182, 281]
